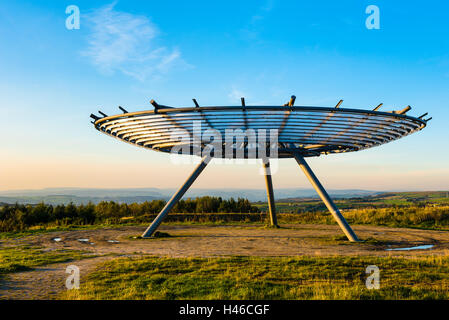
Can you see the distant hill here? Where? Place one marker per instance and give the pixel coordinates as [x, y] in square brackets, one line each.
[130, 195]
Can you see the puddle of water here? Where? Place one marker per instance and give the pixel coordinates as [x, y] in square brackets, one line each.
[113, 241]
[83, 240]
[57, 239]
[423, 247]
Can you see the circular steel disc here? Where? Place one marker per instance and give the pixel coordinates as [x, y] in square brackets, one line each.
[310, 131]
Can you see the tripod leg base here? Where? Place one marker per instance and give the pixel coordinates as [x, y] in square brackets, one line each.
[270, 194]
[176, 197]
[326, 199]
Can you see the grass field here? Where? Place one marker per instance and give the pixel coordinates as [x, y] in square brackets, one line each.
[383, 200]
[22, 258]
[413, 216]
[247, 266]
[266, 278]
[428, 217]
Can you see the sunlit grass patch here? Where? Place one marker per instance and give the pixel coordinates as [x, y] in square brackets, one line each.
[22, 258]
[265, 278]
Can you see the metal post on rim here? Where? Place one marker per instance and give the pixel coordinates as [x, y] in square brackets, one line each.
[325, 197]
[176, 197]
[270, 193]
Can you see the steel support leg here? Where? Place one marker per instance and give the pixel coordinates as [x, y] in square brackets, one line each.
[176, 197]
[270, 193]
[325, 197]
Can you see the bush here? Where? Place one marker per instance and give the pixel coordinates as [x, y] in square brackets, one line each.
[20, 217]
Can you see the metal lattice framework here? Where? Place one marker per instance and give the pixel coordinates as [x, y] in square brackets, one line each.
[309, 130]
[302, 131]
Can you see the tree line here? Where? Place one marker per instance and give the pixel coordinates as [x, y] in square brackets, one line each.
[20, 217]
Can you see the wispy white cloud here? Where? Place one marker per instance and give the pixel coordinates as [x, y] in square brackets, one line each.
[252, 29]
[124, 42]
[236, 94]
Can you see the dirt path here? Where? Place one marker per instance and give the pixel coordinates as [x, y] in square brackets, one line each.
[209, 241]
[45, 282]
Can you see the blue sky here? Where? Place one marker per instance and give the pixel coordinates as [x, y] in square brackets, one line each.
[126, 53]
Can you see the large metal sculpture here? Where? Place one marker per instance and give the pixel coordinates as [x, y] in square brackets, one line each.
[300, 132]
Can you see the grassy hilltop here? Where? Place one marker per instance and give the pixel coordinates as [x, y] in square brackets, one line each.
[308, 276]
